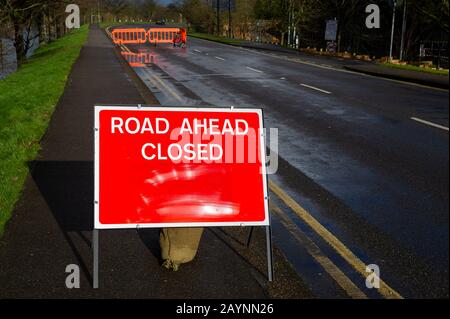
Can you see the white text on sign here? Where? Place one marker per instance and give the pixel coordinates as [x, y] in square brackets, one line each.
[191, 127]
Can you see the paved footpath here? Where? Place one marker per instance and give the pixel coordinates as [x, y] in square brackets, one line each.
[52, 223]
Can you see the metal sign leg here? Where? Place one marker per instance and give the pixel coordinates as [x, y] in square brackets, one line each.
[269, 253]
[249, 237]
[95, 258]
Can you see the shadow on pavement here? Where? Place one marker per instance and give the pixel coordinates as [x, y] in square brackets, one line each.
[68, 189]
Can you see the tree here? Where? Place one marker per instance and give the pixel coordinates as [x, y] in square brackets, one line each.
[46, 16]
[115, 7]
[198, 14]
[244, 16]
[148, 9]
[426, 21]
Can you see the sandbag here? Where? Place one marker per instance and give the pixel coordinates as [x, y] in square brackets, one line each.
[178, 245]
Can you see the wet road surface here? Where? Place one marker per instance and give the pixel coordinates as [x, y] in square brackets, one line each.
[366, 157]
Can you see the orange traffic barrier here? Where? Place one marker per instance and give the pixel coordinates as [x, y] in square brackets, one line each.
[162, 35]
[137, 59]
[152, 35]
[129, 35]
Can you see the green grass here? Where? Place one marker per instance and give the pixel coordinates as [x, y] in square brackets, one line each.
[414, 68]
[27, 100]
[214, 38]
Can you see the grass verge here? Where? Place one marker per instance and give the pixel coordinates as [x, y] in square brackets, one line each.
[214, 38]
[414, 68]
[27, 100]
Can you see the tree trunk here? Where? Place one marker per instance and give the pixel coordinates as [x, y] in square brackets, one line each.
[49, 28]
[18, 42]
[58, 28]
[39, 26]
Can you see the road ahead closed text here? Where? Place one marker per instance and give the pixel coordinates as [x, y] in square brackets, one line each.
[188, 127]
[179, 167]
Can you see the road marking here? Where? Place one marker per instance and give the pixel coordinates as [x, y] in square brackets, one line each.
[315, 88]
[328, 68]
[153, 82]
[108, 32]
[218, 74]
[385, 290]
[198, 51]
[430, 123]
[339, 277]
[259, 71]
[122, 46]
[165, 86]
[219, 58]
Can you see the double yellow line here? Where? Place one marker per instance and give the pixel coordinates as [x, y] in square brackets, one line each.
[155, 80]
[385, 290]
[124, 47]
[342, 280]
[152, 78]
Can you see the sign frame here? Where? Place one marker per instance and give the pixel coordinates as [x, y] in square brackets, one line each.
[98, 108]
[267, 220]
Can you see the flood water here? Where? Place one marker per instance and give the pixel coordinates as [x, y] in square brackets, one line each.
[8, 58]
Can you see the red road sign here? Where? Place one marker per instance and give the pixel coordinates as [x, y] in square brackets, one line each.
[178, 167]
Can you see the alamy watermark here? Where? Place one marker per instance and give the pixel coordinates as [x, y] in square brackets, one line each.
[373, 19]
[373, 277]
[202, 141]
[73, 279]
[73, 19]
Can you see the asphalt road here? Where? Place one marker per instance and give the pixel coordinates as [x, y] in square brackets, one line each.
[367, 157]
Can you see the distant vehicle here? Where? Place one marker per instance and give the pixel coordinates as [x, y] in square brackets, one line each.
[161, 21]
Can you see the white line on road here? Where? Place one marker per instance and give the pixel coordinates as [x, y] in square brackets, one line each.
[219, 58]
[259, 71]
[198, 51]
[219, 74]
[430, 123]
[314, 88]
[327, 67]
